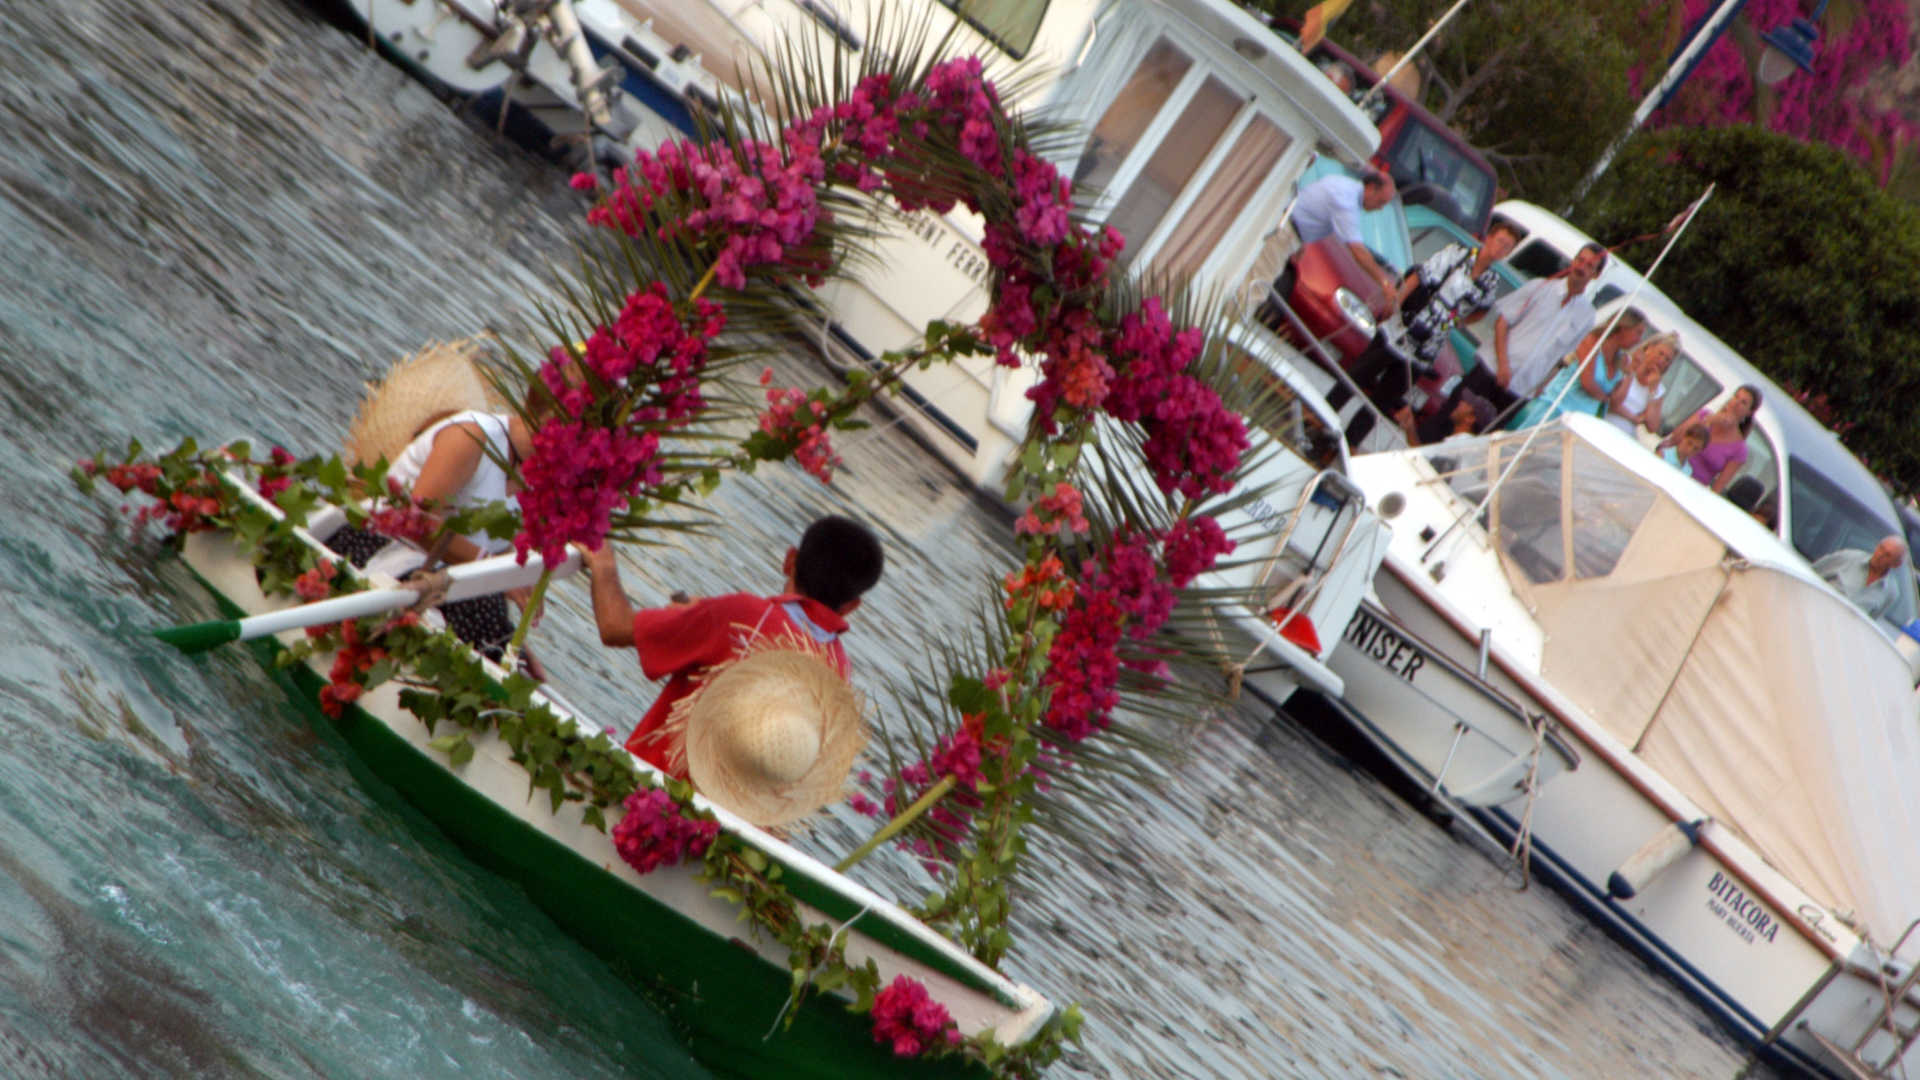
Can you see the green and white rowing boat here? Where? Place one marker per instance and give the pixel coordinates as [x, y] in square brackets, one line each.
[728, 987]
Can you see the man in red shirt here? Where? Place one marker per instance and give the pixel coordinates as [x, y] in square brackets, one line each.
[837, 560]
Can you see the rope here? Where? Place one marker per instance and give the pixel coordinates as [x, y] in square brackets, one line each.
[430, 586]
[1522, 850]
[794, 994]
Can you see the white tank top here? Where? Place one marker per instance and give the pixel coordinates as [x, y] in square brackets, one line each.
[489, 481]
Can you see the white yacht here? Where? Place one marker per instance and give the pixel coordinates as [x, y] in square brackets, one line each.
[1746, 739]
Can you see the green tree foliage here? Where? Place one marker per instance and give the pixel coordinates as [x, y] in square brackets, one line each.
[1798, 261]
[1540, 86]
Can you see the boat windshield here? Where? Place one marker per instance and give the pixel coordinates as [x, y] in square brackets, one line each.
[1010, 24]
[1566, 512]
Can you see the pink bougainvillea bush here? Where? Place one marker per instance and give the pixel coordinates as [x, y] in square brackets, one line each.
[1839, 102]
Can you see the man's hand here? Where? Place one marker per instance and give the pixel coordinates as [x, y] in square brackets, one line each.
[1503, 370]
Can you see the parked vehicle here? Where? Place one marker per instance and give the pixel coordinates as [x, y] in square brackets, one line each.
[1429, 161]
[1337, 302]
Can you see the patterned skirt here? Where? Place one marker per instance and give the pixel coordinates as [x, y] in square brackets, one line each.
[482, 622]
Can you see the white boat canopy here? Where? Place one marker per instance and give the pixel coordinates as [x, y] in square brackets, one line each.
[1698, 639]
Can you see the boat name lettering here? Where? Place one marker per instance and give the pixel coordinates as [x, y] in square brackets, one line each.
[1264, 513]
[961, 254]
[1373, 638]
[967, 259]
[1741, 912]
[1817, 919]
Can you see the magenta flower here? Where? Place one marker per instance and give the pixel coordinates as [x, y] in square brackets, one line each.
[655, 832]
[907, 1018]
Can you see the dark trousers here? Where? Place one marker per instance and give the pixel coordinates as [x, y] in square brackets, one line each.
[1380, 373]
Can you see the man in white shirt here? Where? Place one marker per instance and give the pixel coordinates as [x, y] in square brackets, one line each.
[1331, 206]
[1866, 580]
[1534, 327]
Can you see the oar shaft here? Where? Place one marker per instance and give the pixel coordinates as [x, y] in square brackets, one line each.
[481, 577]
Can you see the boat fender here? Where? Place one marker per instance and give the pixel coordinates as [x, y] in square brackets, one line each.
[1653, 858]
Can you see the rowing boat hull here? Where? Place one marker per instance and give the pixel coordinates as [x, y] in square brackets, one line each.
[724, 985]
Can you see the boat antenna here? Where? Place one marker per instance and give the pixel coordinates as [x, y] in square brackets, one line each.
[1410, 53]
[1674, 228]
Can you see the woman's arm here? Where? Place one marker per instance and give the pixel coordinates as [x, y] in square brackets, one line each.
[1727, 472]
[1650, 416]
[455, 457]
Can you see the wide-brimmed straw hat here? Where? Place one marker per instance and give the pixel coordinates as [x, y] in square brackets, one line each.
[438, 381]
[770, 736]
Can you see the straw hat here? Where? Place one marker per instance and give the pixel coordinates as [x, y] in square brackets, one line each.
[772, 735]
[438, 381]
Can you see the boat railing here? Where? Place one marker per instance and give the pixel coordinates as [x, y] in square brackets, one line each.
[1896, 990]
[1317, 346]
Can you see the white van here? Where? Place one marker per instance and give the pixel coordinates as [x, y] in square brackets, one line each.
[1824, 499]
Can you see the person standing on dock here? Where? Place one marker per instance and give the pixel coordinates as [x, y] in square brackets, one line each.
[835, 563]
[1331, 206]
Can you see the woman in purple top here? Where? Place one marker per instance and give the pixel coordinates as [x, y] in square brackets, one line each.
[1727, 428]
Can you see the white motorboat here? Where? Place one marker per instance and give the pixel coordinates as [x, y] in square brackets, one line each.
[1744, 805]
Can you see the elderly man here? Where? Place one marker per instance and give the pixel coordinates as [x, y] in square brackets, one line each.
[1534, 326]
[1331, 206]
[1866, 579]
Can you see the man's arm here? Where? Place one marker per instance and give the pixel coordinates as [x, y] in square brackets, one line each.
[1503, 368]
[612, 611]
[1365, 258]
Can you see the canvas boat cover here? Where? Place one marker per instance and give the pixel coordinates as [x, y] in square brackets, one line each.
[1700, 640]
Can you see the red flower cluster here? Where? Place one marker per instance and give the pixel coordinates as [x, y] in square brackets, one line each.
[1045, 584]
[640, 373]
[273, 476]
[355, 657]
[145, 476]
[906, 1018]
[317, 583]
[655, 832]
[792, 420]
[1124, 595]
[1055, 514]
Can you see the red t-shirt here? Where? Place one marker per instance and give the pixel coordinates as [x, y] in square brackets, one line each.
[679, 643]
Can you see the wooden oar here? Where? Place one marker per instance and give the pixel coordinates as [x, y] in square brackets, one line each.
[464, 582]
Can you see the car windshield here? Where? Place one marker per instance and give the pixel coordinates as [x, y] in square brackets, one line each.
[1827, 519]
[1431, 171]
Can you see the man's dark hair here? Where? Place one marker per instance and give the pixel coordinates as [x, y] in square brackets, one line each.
[1505, 226]
[839, 559]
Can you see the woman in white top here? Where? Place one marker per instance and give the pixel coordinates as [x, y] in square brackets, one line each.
[1636, 401]
[455, 462]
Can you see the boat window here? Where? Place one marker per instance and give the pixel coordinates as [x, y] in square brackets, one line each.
[1173, 164]
[1689, 388]
[1762, 463]
[1528, 511]
[1606, 294]
[1132, 110]
[1537, 258]
[1204, 225]
[1010, 24]
[1827, 519]
[1609, 502]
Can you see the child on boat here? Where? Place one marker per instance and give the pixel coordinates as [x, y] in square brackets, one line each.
[836, 561]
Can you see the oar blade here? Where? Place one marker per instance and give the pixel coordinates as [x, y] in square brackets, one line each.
[200, 637]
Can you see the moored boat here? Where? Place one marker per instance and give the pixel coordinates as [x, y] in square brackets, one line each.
[728, 983]
[1743, 804]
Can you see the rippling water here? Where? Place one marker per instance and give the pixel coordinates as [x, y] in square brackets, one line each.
[219, 218]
